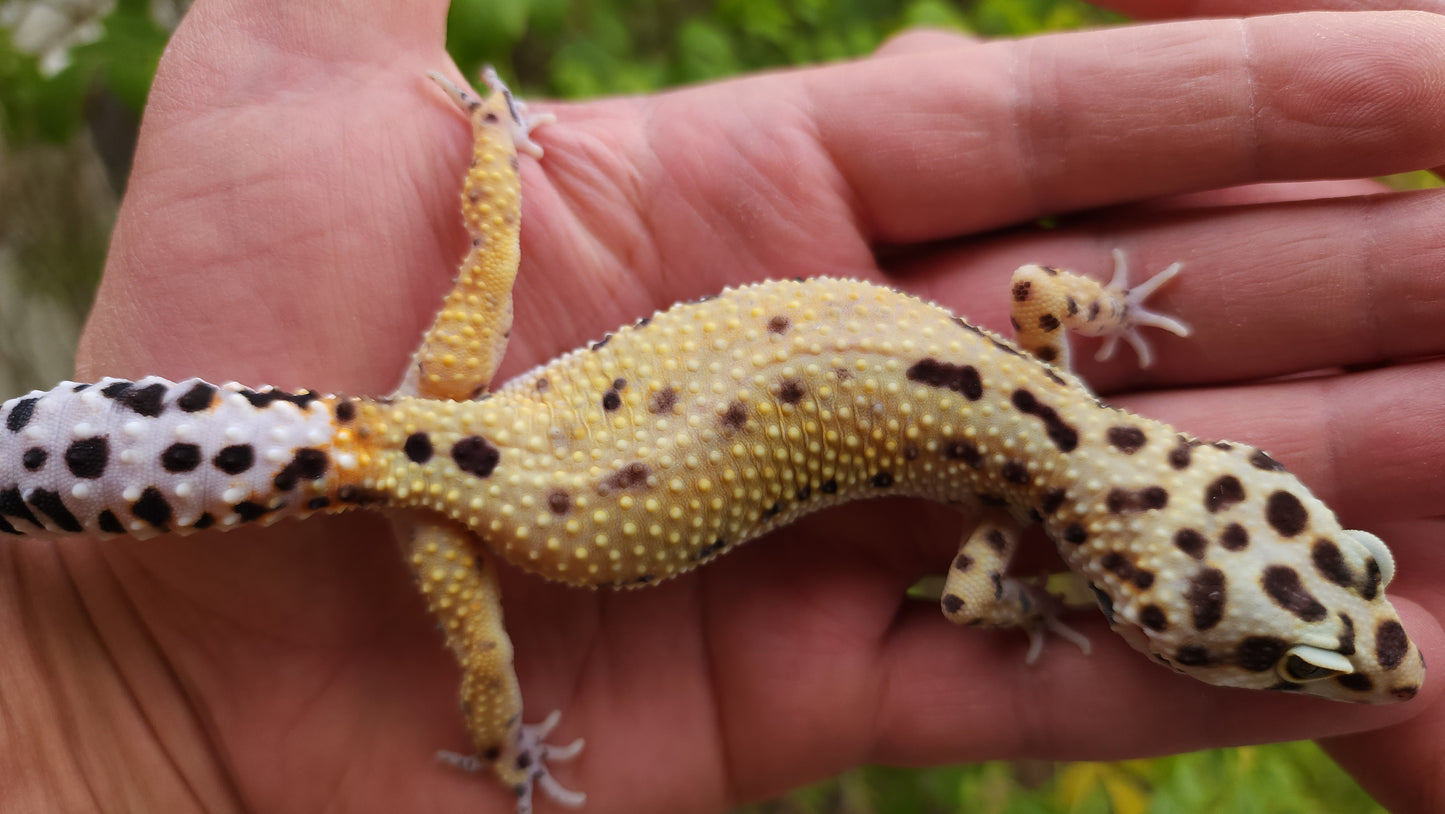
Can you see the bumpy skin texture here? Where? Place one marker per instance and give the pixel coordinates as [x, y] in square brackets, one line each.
[669, 442]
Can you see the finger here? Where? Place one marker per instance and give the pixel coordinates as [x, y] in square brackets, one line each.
[1151, 10]
[943, 143]
[1268, 290]
[922, 41]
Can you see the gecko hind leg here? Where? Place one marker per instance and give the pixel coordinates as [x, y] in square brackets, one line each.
[979, 592]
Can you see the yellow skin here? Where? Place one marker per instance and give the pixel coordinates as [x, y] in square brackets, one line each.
[660, 447]
[822, 606]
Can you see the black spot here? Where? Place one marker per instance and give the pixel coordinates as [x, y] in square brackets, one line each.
[1051, 500]
[318, 503]
[631, 476]
[790, 391]
[735, 417]
[1224, 445]
[1223, 493]
[1206, 597]
[181, 457]
[779, 325]
[1391, 644]
[1357, 682]
[997, 579]
[1074, 533]
[145, 401]
[1117, 564]
[12, 504]
[1093, 311]
[34, 458]
[1285, 686]
[107, 522]
[476, 456]
[952, 604]
[962, 563]
[1371, 588]
[964, 451]
[153, 508]
[611, 400]
[1049, 322]
[1127, 440]
[249, 510]
[642, 322]
[991, 500]
[1346, 646]
[601, 343]
[271, 395]
[962, 379]
[88, 457]
[306, 463]
[559, 501]
[1180, 455]
[804, 493]
[1106, 604]
[1191, 542]
[773, 510]
[1234, 537]
[710, 549]
[619, 384]
[200, 396]
[345, 411]
[418, 448]
[1283, 585]
[1047, 353]
[1065, 437]
[1285, 514]
[1260, 653]
[204, 522]
[1120, 501]
[1152, 617]
[882, 480]
[1015, 473]
[1260, 460]
[115, 389]
[1331, 563]
[358, 496]
[1143, 580]
[1192, 655]
[1072, 305]
[21, 414]
[829, 487]
[662, 401]
[235, 459]
[910, 452]
[1021, 290]
[996, 540]
[542, 384]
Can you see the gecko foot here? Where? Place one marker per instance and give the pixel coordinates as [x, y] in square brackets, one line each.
[530, 754]
[1135, 314]
[522, 122]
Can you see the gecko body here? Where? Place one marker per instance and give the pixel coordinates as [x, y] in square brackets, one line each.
[671, 441]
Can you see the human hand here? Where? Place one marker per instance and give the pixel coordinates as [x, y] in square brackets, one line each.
[291, 220]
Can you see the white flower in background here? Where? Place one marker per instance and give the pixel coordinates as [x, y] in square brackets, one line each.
[50, 28]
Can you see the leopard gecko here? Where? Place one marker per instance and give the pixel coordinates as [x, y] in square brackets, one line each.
[665, 444]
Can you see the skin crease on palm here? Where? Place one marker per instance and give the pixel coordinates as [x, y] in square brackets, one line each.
[291, 220]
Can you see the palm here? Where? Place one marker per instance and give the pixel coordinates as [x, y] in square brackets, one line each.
[292, 221]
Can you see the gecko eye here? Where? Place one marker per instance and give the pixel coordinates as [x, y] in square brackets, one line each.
[1377, 549]
[1304, 663]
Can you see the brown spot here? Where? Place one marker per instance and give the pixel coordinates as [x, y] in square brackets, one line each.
[418, 448]
[662, 401]
[1283, 585]
[779, 325]
[1182, 453]
[735, 417]
[1093, 311]
[1015, 472]
[958, 378]
[1391, 644]
[1191, 542]
[1346, 646]
[1371, 588]
[790, 391]
[1152, 617]
[1047, 353]
[1223, 493]
[542, 384]
[1120, 501]
[559, 502]
[1355, 681]
[1051, 501]
[1192, 655]
[1331, 563]
[345, 411]
[1065, 437]
[1234, 537]
[910, 452]
[611, 400]
[476, 456]
[1072, 304]
[1260, 460]
[631, 476]
[1074, 533]
[1119, 565]
[964, 451]
[1260, 653]
[1127, 440]
[1021, 290]
[996, 540]
[882, 480]
[1206, 596]
[1049, 322]
[1285, 514]
[952, 603]
[1404, 693]
[962, 562]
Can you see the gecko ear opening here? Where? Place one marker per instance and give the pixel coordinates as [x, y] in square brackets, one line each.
[1378, 550]
[1303, 663]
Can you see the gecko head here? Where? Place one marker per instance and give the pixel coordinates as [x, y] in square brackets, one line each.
[1260, 587]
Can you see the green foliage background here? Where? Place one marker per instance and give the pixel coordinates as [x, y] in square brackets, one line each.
[66, 147]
